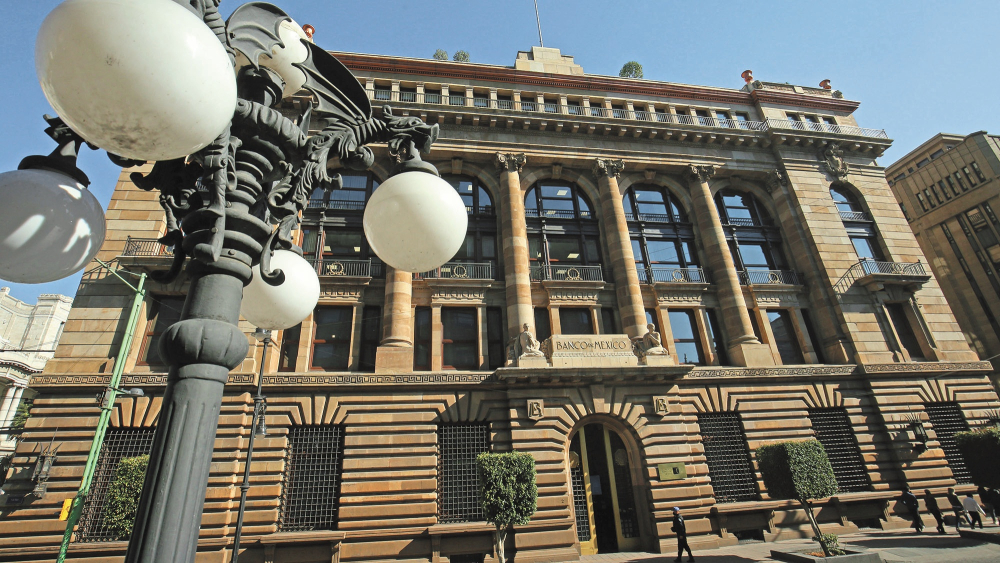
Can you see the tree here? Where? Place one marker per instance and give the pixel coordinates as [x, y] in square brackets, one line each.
[461, 57]
[801, 471]
[981, 450]
[21, 416]
[123, 495]
[508, 491]
[631, 69]
[441, 55]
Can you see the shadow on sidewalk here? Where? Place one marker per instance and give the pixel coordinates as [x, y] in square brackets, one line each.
[698, 559]
[925, 542]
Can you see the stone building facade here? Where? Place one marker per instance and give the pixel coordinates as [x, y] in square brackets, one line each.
[28, 336]
[950, 191]
[598, 206]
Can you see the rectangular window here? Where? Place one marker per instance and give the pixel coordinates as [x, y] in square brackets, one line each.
[946, 419]
[119, 443]
[685, 334]
[608, 318]
[651, 318]
[979, 173]
[920, 200]
[937, 153]
[494, 337]
[923, 162]
[542, 328]
[907, 338]
[944, 189]
[371, 334]
[575, 320]
[811, 329]
[753, 324]
[422, 339]
[829, 120]
[968, 176]
[937, 196]
[952, 186]
[332, 338]
[930, 199]
[784, 337]
[728, 457]
[289, 350]
[457, 478]
[460, 338]
[961, 182]
[833, 429]
[310, 484]
[163, 312]
[715, 337]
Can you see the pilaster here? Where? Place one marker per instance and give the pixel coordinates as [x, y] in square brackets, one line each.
[514, 235]
[395, 351]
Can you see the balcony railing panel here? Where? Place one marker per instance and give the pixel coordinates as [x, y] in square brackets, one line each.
[459, 271]
[145, 247]
[566, 273]
[345, 267]
[769, 277]
[666, 274]
[854, 216]
[342, 205]
[432, 98]
[775, 123]
[648, 217]
[741, 222]
[454, 100]
[876, 267]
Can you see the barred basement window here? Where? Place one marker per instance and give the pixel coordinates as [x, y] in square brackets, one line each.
[579, 495]
[947, 420]
[728, 457]
[310, 488]
[119, 443]
[458, 482]
[833, 430]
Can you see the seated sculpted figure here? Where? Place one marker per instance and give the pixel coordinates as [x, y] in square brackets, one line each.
[529, 345]
[651, 343]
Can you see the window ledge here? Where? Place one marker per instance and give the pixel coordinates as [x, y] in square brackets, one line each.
[460, 528]
[302, 537]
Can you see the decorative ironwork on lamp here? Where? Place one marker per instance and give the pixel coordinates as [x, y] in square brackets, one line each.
[918, 433]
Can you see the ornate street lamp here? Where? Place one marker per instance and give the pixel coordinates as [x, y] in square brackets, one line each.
[231, 190]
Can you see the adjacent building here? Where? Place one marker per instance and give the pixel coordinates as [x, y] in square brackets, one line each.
[701, 269]
[28, 338]
[949, 190]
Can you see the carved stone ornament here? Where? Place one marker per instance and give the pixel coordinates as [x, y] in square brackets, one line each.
[775, 179]
[661, 405]
[651, 344]
[833, 160]
[557, 170]
[701, 173]
[511, 162]
[608, 167]
[528, 344]
[536, 409]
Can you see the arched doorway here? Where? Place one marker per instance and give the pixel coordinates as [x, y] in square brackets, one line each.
[603, 477]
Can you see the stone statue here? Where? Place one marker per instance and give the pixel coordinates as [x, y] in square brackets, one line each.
[529, 345]
[651, 343]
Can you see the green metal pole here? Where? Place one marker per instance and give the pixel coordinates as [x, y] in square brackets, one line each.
[102, 424]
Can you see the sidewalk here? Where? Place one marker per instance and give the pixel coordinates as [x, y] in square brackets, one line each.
[895, 546]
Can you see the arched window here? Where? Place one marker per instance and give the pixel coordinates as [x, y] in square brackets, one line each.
[662, 237]
[357, 188]
[563, 235]
[333, 236]
[480, 246]
[860, 227]
[754, 243]
[477, 199]
[740, 208]
[848, 205]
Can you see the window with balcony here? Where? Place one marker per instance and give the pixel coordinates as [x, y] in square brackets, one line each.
[289, 350]
[407, 94]
[784, 337]
[357, 188]
[340, 251]
[685, 334]
[563, 234]
[574, 258]
[859, 225]
[162, 312]
[575, 320]
[740, 208]
[653, 204]
[662, 253]
[754, 243]
[331, 349]
[460, 338]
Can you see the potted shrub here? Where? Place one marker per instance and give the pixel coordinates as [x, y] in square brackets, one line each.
[508, 492]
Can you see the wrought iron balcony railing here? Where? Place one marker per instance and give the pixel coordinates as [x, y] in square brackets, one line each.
[904, 270]
[145, 247]
[556, 214]
[459, 271]
[340, 267]
[775, 123]
[769, 277]
[664, 274]
[566, 273]
[854, 216]
[340, 204]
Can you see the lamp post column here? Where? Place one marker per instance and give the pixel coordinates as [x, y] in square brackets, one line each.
[743, 347]
[514, 230]
[395, 351]
[633, 314]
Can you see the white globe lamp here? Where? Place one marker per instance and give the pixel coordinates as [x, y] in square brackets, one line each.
[143, 79]
[50, 226]
[415, 221]
[277, 307]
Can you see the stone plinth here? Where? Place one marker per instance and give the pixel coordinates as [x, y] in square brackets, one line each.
[394, 359]
[532, 362]
[590, 350]
[658, 360]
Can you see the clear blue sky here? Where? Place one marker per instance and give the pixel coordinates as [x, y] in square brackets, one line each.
[917, 67]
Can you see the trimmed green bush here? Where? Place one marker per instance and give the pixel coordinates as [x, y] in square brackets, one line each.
[981, 450]
[461, 57]
[123, 495]
[802, 471]
[441, 55]
[508, 491]
[631, 69]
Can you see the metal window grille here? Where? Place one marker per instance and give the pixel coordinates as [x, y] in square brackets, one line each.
[119, 443]
[310, 489]
[728, 457]
[458, 481]
[623, 483]
[580, 503]
[947, 420]
[833, 430]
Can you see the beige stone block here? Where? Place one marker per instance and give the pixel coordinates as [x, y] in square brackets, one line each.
[393, 360]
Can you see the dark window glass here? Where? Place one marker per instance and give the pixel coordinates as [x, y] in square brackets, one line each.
[460, 339]
[332, 339]
[163, 312]
[728, 457]
[754, 256]
[715, 337]
[310, 238]
[784, 337]
[811, 329]
[542, 328]
[608, 318]
[865, 247]
[289, 347]
[897, 314]
[961, 182]
[565, 249]
[340, 243]
[495, 337]
[653, 319]
[457, 477]
[930, 198]
[844, 200]
[310, 487]
[663, 252]
[937, 195]
[422, 339]
[979, 173]
[575, 320]
[952, 185]
[685, 334]
[920, 200]
[371, 324]
[944, 189]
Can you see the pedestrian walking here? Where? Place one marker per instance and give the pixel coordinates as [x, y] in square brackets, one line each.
[988, 501]
[910, 501]
[932, 506]
[956, 505]
[680, 529]
[975, 511]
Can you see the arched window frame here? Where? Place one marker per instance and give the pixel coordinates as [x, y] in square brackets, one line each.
[858, 222]
[481, 244]
[330, 213]
[547, 226]
[755, 230]
[648, 231]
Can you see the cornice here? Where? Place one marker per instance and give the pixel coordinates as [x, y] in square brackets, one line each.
[800, 100]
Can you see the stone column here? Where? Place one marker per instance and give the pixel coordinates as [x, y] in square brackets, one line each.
[626, 279]
[743, 347]
[395, 351]
[10, 409]
[514, 232]
[6, 408]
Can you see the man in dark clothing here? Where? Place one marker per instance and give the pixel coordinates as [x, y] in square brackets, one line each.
[932, 506]
[680, 529]
[910, 501]
[956, 505]
[987, 501]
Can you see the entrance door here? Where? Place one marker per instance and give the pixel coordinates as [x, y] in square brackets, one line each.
[606, 519]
